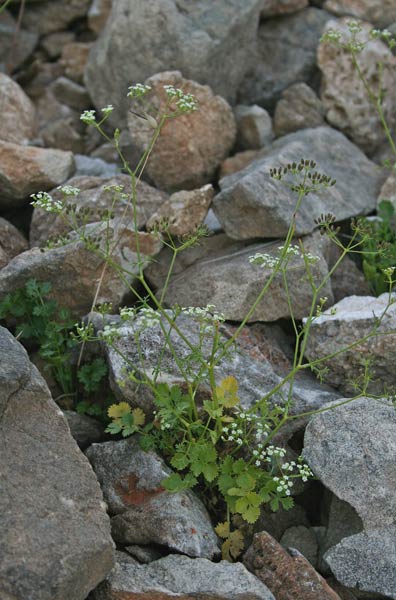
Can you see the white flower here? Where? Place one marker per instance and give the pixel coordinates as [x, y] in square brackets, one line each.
[88, 117]
[137, 90]
[46, 202]
[69, 190]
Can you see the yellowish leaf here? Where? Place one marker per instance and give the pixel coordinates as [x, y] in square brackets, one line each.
[116, 411]
[227, 392]
[138, 416]
[223, 529]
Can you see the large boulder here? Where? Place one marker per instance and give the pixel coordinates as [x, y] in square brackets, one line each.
[55, 533]
[142, 511]
[252, 204]
[180, 577]
[210, 43]
[380, 12]
[352, 451]
[17, 110]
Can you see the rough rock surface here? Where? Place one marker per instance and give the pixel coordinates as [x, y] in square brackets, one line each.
[286, 54]
[298, 108]
[184, 212]
[14, 50]
[388, 190]
[55, 534]
[252, 204]
[343, 94]
[380, 12]
[25, 170]
[94, 200]
[17, 112]
[142, 511]
[354, 319]
[275, 8]
[46, 17]
[352, 450]
[191, 147]
[59, 126]
[98, 14]
[84, 429]
[12, 242]
[238, 162]
[74, 271]
[74, 60]
[254, 127]
[209, 43]
[180, 577]
[229, 281]
[302, 539]
[288, 576]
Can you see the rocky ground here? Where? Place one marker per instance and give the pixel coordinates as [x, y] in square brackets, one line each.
[83, 516]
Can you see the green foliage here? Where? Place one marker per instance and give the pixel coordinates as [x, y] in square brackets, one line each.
[91, 374]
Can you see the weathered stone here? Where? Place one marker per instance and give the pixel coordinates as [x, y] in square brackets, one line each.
[354, 318]
[184, 212]
[252, 204]
[388, 191]
[238, 162]
[94, 167]
[343, 93]
[191, 147]
[53, 42]
[143, 554]
[286, 54]
[74, 60]
[39, 77]
[274, 8]
[209, 43]
[16, 44]
[352, 450]
[232, 283]
[380, 12]
[180, 577]
[142, 511]
[55, 534]
[288, 576]
[93, 196]
[71, 93]
[74, 271]
[17, 112]
[347, 279]
[276, 524]
[84, 429]
[59, 126]
[25, 170]
[254, 127]
[12, 242]
[302, 539]
[46, 17]
[298, 108]
[98, 14]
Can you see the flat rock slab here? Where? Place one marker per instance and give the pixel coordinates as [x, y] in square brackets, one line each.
[143, 512]
[182, 578]
[54, 530]
[252, 204]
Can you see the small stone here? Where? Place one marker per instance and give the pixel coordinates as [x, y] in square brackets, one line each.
[143, 554]
[12, 242]
[94, 167]
[275, 8]
[17, 112]
[74, 59]
[302, 539]
[16, 44]
[53, 42]
[238, 162]
[47, 17]
[71, 93]
[298, 108]
[84, 429]
[254, 127]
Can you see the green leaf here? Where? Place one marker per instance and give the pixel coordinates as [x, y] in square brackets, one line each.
[287, 502]
[210, 471]
[180, 461]
[175, 483]
[113, 428]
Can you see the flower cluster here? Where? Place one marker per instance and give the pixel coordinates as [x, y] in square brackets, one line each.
[283, 484]
[148, 317]
[46, 202]
[184, 102]
[138, 90]
[88, 117]
[109, 334]
[207, 316]
[107, 110]
[266, 261]
[69, 190]
[232, 433]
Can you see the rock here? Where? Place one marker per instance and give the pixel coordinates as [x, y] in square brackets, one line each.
[98, 14]
[380, 12]
[39, 76]
[274, 8]
[276, 524]
[238, 162]
[388, 191]
[71, 93]
[254, 127]
[298, 108]
[17, 112]
[353, 320]
[184, 212]
[180, 577]
[47, 17]
[74, 271]
[94, 199]
[94, 167]
[74, 60]
[191, 147]
[14, 49]
[251, 204]
[209, 43]
[54, 529]
[230, 282]
[287, 576]
[25, 170]
[352, 450]
[286, 54]
[12, 242]
[302, 539]
[343, 94]
[53, 42]
[255, 377]
[143, 554]
[142, 511]
[84, 429]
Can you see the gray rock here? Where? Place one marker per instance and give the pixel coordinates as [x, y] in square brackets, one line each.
[12, 242]
[17, 110]
[209, 43]
[254, 127]
[94, 167]
[16, 45]
[230, 282]
[142, 511]
[84, 429]
[286, 54]
[388, 191]
[71, 93]
[352, 450]
[181, 577]
[54, 529]
[380, 12]
[74, 271]
[354, 319]
[98, 14]
[276, 524]
[143, 554]
[46, 17]
[54, 42]
[298, 108]
[303, 539]
[273, 8]
[252, 204]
